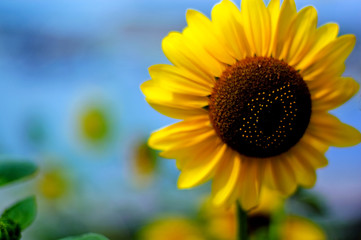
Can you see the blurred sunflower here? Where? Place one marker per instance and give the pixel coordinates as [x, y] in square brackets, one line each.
[53, 184]
[299, 228]
[220, 222]
[175, 228]
[94, 124]
[144, 162]
[253, 89]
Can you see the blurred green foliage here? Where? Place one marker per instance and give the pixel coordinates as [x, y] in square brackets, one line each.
[310, 203]
[22, 213]
[9, 230]
[88, 236]
[12, 170]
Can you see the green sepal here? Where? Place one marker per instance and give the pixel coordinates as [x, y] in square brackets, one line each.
[9, 230]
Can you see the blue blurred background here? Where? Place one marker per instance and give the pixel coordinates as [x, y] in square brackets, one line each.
[61, 61]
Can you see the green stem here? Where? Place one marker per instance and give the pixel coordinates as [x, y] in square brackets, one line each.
[241, 223]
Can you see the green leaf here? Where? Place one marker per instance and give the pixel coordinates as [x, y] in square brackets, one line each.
[14, 170]
[314, 204]
[311, 202]
[22, 213]
[88, 236]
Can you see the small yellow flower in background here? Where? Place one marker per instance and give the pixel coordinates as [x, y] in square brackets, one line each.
[94, 124]
[174, 228]
[144, 162]
[299, 228]
[252, 89]
[221, 222]
[53, 184]
[145, 159]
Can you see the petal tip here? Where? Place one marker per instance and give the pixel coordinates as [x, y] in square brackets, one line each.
[144, 86]
[190, 13]
[152, 142]
[351, 39]
[182, 184]
[217, 201]
[357, 86]
[358, 138]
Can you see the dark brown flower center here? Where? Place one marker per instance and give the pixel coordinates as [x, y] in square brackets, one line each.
[260, 107]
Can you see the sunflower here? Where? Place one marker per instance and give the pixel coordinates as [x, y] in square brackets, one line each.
[220, 223]
[171, 227]
[299, 228]
[94, 124]
[144, 163]
[252, 89]
[269, 215]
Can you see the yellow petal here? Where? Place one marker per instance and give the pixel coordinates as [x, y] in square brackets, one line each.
[274, 12]
[334, 94]
[324, 35]
[155, 93]
[309, 154]
[226, 179]
[169, 136]
[181, 55]
[191, 150]
[205, 60]
[287, 13]
[251, 182]
[300, 36]
[314, 83]
[202, 29]
[268, 175]
[174, 79]
[305, 174]
[332, 131]
[177, 112]
[281, 175]
[184, 149]
[180, 146]
[330, 59]
[202, 166]
[226, 19]
[316, 143]
[257, 26]
[299, 228]
[172, 104]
